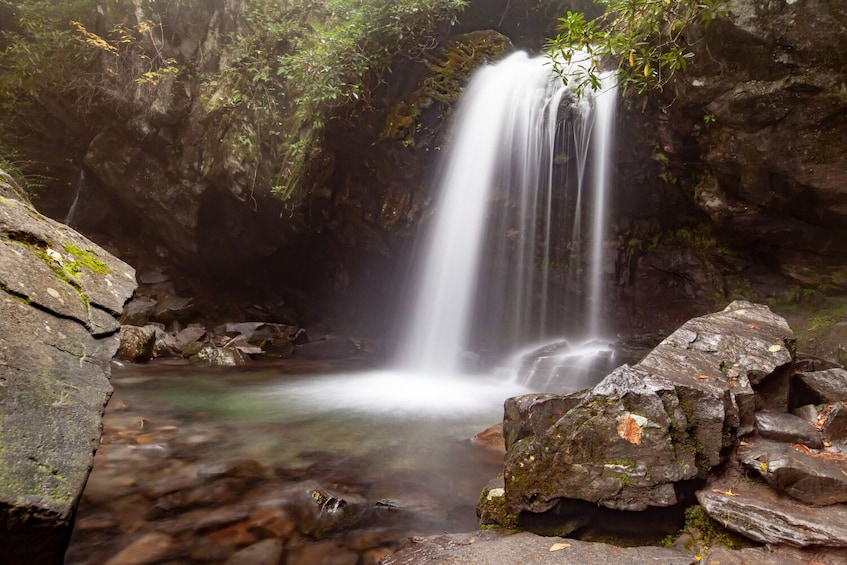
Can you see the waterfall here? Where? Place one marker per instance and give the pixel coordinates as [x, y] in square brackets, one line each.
[80, 181]
[514, 249]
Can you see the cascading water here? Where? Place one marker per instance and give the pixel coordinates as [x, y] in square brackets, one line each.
[72, 211]
[522, 143]
[518, 225]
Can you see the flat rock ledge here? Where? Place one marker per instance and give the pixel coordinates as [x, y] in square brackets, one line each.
[500, 548]
[60, 299]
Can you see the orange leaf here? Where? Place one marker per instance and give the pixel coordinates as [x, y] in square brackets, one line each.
[629, 430]
[725, 492]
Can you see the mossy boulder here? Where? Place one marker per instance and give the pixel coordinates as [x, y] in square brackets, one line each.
[60, 295]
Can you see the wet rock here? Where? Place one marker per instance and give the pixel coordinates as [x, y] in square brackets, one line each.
[60, 295]
[237, 468]
[164, 344]
[628, 442]
[807, 412]
[321, 511]
[532, 414]
[756, 511]
[770, 555]
[261, 553]
[491, 438]
[835, 424]
[210, 550]
[820, 387]
[151, 548]
[136, 343]
[781, 426]
[138, 311]
[330, 348]
[221, 491]
[189, 335]
[222, 356]
[614, 448]
[813, 477]
[272, 521]
[172, 308]
[496, 548]
[491, 506]
[235, 536]
[328, 552]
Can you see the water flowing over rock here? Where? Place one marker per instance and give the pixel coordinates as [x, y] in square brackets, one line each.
[60, 295]
[628, 443]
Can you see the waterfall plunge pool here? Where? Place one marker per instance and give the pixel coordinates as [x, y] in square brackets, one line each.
[394, 446]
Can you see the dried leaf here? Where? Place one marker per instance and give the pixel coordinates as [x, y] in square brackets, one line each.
[753, 326]
[764, 465]
[724, 492]
[629, 430]
[559, 546]
[703, 377]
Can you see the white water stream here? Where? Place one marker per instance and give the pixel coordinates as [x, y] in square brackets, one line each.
[514, 133]
[521, 200]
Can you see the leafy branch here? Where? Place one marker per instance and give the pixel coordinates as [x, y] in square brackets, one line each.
[647, 41]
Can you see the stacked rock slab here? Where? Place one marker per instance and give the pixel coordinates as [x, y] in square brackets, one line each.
[631, 441]
[60, 295]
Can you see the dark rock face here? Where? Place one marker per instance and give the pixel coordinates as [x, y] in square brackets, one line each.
[771, 143]
[643, 430]
[60, 295]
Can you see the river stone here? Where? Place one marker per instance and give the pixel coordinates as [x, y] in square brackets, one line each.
[808, 476]
[758, 512]
[500, 548]
[138, 311]
[671, 418]
[55, 347]
[330, 348]
[531, 414]
[781, 426]
[835, 424]
[820, 387]
[261, 553]
[614, 448]
[136, 344]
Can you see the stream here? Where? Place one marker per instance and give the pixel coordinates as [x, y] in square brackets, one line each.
[339, 463]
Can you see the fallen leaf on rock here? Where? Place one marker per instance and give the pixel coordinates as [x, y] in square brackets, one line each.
[559, 546]
[724, 492]
[702, 377]
[629, 429]
[774, 348]
[753, 326]
[465, 542]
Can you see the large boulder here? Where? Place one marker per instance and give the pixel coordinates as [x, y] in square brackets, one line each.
[60, 295]
[630, 442]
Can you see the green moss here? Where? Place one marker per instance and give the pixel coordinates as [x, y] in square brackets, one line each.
[85, 258]
[709, 532]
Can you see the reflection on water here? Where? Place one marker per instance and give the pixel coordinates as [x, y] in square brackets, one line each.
[197, 464]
